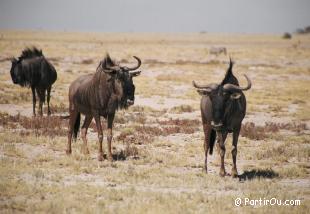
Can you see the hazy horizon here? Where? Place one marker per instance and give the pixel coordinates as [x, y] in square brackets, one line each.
[239, 16]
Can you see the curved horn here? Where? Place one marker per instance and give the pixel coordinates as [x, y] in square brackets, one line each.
[210, 86]
[135, 73]
[229, 86]
[136, 67]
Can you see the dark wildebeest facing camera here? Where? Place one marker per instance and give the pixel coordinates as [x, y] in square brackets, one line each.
[100, 94]
[223, 108]
[33, 70]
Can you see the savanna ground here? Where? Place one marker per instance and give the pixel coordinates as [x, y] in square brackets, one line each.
[158, 143]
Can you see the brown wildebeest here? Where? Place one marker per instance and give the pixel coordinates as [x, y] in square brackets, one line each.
[32, 69]
[100, 94]
[223, 108]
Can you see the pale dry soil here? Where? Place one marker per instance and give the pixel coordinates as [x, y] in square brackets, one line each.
[158, 143]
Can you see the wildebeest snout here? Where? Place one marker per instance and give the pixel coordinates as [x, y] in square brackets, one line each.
[130, 102]
[216, 125]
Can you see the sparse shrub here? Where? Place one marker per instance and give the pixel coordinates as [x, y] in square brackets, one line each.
[49, 126]
[87, 61]
[62, 108]
[131, 150]
[287, 35]
[182, 108]
[250, 130]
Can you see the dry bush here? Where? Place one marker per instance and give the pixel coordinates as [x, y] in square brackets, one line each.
[287, 35]
[46, 126]
[87, 61]
[49, 126]
[131, 150]
[9, 121]
[182, 108]
[144, 134]
[251, 131]
[180, 122]
[133, 117]
[136, 138]
[296, 127]
[61, 108]
[153, 61]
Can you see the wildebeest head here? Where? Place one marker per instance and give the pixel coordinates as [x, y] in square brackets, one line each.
[125, 76]
[222, 95]
[16, 72]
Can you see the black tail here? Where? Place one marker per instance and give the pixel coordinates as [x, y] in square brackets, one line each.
[77, 126]
[211, 142]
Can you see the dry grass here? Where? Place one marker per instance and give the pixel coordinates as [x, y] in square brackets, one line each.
[45, 126]
[158, 146]
[251, 131]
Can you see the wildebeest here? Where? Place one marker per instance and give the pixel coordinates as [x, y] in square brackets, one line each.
[217, 50]
[100, 94]
[223, 108]
[33, 70]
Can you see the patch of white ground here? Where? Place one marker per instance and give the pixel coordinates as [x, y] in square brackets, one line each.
[11, 109]
[161, 103]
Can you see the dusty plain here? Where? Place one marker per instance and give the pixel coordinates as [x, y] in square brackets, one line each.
[158, 162]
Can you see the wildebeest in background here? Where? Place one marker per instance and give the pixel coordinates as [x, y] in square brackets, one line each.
[217, 50]
[223, 108]
[33, 70]
[100, 94]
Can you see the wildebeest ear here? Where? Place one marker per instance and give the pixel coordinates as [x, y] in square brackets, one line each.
[13, 60]
[235, 96]
[203, 92]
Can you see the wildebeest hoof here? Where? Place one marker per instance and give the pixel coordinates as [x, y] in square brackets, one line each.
[86, 151]
[222, 173]
[110, 158]
[234, 173]
[206, 169]
[100, 157]
[68, 152]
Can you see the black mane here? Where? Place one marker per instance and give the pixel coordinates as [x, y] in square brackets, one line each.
[229, 76]
[28, 53]
[107, 62]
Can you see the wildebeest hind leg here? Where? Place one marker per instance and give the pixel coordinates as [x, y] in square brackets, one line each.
[100, 137]
[234, 171]
[110, 135]
[34, 100]
[85, 126]
[207, 132]
[221, 141]
[48, 100]
[41, 94]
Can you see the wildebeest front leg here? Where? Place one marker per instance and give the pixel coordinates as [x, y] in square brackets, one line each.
[234, 171]
[85, 126]
[207, 132]
[34, 100]
[48, 100]
[221, 141]
[100, 137]
[110, 135]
